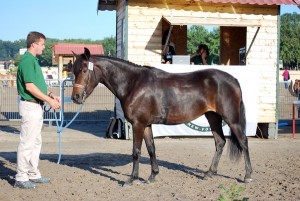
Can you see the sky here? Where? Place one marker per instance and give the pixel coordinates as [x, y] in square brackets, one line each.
[62, 19]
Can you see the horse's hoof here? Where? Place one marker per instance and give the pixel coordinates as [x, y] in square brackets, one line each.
[207, 176]
[248, 180]
[137, 182]
[149, 181]
[127, 184]
[132, 182]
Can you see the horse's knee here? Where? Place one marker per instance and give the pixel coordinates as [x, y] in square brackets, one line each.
[221, 144]
[136, 153]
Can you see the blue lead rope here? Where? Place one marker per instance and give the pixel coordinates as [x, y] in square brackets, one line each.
[60, 127]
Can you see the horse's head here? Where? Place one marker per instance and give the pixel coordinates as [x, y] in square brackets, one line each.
[85, 77]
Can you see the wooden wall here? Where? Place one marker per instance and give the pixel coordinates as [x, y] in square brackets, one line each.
[145, 28]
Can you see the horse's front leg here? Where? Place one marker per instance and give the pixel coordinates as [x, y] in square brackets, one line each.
[138, 131]
[148, 137]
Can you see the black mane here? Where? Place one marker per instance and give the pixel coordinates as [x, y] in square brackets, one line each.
[121, 60]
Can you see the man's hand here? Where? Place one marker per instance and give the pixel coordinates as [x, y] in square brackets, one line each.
[54, 102]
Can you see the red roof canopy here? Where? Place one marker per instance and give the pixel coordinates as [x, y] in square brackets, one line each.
[258, 2]
[67, 48]
[111, 4]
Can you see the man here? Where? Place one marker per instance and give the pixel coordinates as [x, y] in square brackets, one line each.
[202, 56]
[69, 66]
[32, 90]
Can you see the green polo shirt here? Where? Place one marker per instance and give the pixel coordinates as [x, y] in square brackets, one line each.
[29, 70]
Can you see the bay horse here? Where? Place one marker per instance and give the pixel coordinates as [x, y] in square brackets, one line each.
[152, 96]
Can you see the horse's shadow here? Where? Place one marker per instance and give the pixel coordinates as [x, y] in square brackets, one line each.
[99, 163]
[10, 129]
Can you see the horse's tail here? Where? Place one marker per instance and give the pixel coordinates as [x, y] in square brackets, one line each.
[235, 147]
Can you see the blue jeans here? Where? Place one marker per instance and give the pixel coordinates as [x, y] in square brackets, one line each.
[286, 84]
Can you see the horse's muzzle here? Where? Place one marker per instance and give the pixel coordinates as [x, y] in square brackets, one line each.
[77, 99]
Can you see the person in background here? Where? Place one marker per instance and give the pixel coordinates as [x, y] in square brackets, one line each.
[32, 90]
[201, 57]
[69, 66]
[286, 77]
[169, 51]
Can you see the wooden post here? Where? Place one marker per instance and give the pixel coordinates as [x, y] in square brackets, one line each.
[60, 67]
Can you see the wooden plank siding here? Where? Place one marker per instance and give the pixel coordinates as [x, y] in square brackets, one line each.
[121, 16]
[144, 29]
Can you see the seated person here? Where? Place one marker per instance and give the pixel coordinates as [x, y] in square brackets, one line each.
[170, 49]
[201, 57]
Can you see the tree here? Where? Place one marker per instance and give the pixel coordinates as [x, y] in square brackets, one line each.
[46, 58]
[109, 45]
[200, 35]
[17, 59]
[290, 39]
[8, 50]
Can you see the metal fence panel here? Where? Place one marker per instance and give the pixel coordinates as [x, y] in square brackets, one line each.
[98, 107]
[285, 102]
[8, 101]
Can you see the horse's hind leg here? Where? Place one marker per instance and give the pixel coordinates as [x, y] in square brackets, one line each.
[215, 122]
[148, 137]
[241, 140]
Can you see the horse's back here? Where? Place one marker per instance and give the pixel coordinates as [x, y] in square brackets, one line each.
[181, 97]
[201, 80]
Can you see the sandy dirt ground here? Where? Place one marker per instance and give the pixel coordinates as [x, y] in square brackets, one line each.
[95, 168]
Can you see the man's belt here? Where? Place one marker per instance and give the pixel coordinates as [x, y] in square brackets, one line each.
[34, 101]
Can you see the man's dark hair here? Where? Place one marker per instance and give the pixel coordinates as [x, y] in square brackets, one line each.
[34, 37]
[205, 47]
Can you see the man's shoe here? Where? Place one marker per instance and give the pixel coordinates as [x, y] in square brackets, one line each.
[41, 180]
[24, 185]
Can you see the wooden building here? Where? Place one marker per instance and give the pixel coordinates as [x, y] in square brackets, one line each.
[252, 24]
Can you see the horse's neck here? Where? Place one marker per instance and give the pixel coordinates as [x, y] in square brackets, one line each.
[119, 78]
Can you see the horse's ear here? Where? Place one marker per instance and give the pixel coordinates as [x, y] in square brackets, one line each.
[87, 53]
[74, 54]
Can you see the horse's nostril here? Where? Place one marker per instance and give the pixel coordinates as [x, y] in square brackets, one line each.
[75, 97]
